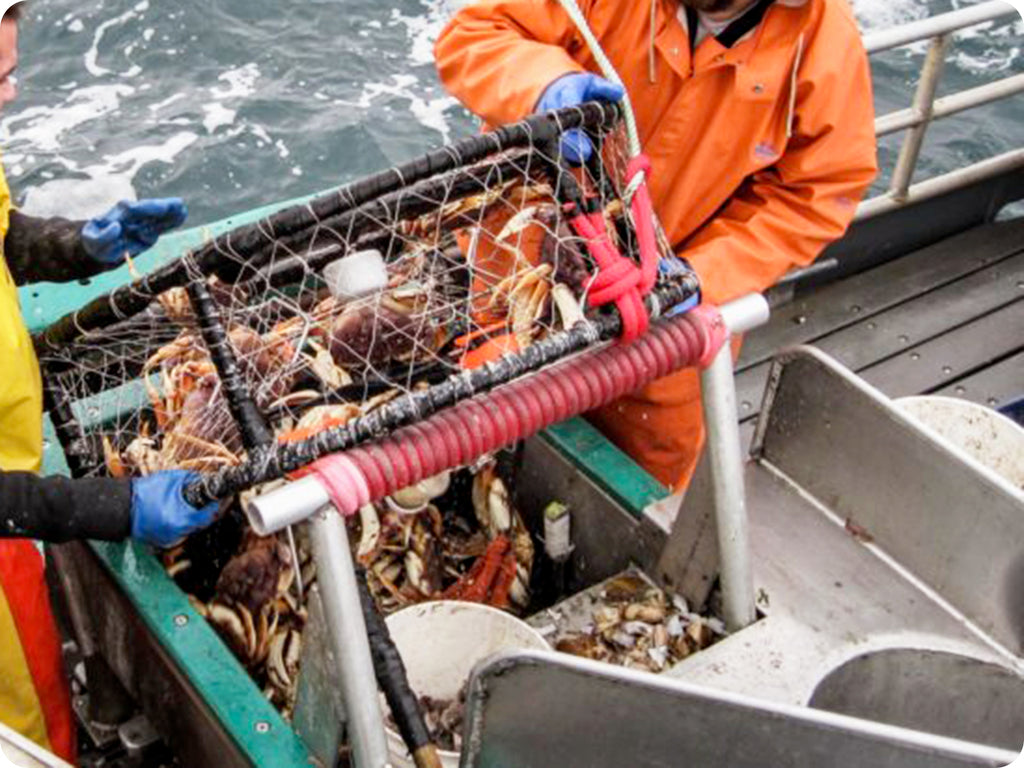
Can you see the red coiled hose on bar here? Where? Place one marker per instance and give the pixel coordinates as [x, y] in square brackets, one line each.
[461, 434]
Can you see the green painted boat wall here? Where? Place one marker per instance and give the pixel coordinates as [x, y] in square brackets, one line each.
[256, 727]
[221, 682]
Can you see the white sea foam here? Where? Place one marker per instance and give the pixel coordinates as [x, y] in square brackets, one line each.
[238, 82]
[166, 102]
[262, 137]
[999, 57]
[49, 128]
[428, 111]
[106, 182]
[92, 55]
[216, 116]
[428, 102]
[423, 28]
[879, 14]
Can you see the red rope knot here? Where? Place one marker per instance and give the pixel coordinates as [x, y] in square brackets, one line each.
[618, 279]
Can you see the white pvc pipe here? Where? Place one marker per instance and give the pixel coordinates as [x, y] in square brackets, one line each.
[287, 505]
[745, 313]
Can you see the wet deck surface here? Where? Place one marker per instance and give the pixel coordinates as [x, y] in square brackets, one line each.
[947, 319]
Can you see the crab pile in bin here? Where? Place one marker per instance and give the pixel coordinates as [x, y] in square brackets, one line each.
[454, 537]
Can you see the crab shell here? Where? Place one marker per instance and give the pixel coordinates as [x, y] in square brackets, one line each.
[374, 332]
[202, 430]
[258, 575]
[416, 497]
[562, 250]
[266, 362]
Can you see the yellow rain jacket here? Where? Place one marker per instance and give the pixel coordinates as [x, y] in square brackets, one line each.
[34, 698]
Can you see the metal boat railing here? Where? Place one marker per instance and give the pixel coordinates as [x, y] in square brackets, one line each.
[925, 108]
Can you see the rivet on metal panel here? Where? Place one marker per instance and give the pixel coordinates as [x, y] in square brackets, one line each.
[800, 319]
[915, 356]
[758, 88]
[262, 727]
[904, 338]
[856, 309]
[947, 369]
[180, 620]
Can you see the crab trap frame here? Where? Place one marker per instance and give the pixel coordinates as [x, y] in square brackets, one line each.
[237, 361]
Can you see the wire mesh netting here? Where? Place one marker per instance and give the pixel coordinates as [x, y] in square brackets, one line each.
[264, 336]
[334, 323]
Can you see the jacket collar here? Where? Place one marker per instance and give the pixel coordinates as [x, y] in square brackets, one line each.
[671, 36]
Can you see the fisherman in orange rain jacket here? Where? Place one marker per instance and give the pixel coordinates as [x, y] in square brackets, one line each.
[756, 114]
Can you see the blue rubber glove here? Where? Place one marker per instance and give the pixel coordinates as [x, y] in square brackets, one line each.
[130, 228]
[571, 91]
[671, 265]
[160, 514]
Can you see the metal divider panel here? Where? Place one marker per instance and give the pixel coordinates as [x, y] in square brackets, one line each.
[537, 710]
[949, 521]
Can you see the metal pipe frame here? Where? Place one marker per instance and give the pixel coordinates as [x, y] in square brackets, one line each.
[952, 104]
[948, 182]
[346, 629]
[915, 31]
[725, 460]
[926, 108]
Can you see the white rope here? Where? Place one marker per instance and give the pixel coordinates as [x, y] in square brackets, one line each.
[634, 184]
[608, 71]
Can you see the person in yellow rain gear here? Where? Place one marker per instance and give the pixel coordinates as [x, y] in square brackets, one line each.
[34, 696]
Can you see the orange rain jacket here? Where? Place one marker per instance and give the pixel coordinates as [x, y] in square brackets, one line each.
[760, 151]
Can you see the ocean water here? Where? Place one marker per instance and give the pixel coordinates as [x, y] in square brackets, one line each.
[234, 104]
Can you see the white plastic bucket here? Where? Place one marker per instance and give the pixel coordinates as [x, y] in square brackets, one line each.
[441, 642]
[985, 435]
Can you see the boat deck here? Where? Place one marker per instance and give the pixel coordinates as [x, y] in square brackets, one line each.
[947, 319]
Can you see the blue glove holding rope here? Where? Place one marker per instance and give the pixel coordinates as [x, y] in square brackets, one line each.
[160, 514]
[571, 91]
[130, 228]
